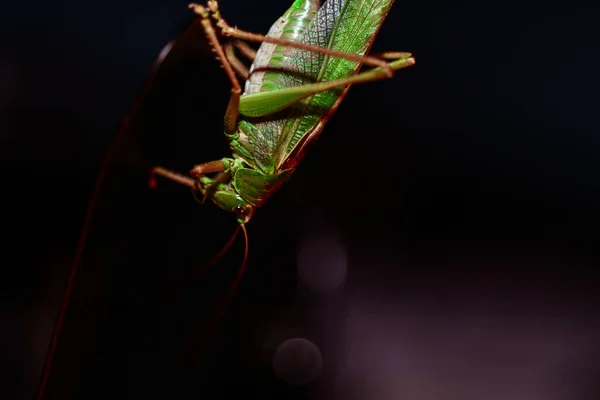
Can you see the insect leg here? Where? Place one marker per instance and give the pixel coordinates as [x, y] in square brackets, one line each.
[230, 117]
[174, 176]
[235, 62]
[227, 30]
[265, 103]
[246, 50]
[204, 185]
[236, 91]
[207, 168]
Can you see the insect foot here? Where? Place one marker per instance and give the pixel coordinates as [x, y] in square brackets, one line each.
[200, 10]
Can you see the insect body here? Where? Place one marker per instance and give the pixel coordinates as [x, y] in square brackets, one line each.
[301, 72]
[299, 76]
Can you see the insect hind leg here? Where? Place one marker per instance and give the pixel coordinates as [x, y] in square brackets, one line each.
[227, 30]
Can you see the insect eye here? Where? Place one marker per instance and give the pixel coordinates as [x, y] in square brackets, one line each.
[243, 213]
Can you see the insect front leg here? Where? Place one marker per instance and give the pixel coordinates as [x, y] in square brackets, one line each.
[199, 182]
[208, 168]
[174, 176]
[203, 184]
[231, 114]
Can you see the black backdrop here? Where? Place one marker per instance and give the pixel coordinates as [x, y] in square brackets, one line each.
[467, 185]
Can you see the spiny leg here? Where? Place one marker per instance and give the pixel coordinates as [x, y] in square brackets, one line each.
[236, 91]
[266, 103]
[229, 31]
[230, 116]
[234, 60]
[246, 50]
[391, 55]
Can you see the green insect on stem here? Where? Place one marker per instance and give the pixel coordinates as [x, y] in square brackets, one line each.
[300, 74]
[307, 62]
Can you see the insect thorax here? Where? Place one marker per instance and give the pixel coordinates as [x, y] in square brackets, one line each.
[247, 186]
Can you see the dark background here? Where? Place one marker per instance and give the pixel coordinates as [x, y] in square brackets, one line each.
[457, 202]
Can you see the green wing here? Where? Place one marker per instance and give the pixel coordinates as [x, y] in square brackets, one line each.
[263, 133]
[344, 25]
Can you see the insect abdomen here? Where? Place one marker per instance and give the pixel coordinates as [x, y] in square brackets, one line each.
[255, 187]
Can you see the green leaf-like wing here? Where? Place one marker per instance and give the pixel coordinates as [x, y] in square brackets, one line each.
[343, 25]
[278, 138]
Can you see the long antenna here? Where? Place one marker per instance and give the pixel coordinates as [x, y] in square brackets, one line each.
[84, 232]
[221, 306]
[194, 274]
[245, 260]
[233, 287]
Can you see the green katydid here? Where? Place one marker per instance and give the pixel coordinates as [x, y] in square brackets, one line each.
[301, 72]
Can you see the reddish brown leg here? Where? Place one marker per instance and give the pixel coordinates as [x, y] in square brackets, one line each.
[227, 30]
